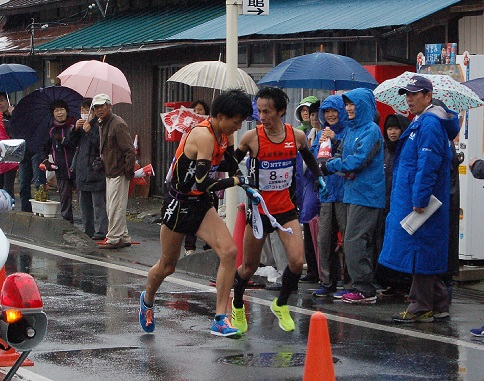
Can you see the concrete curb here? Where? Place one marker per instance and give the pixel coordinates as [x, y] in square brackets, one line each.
[203, 264]
[54, 233]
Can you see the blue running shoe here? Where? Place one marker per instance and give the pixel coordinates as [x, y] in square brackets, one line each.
[323, 291]
[146, 315]
[223, 328]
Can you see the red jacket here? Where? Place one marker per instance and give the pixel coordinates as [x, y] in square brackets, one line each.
[5, 167]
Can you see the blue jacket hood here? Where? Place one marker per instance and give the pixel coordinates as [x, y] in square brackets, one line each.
[365, 106]
[335, 102]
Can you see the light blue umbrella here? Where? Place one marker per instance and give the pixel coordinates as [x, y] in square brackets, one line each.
[324, 71]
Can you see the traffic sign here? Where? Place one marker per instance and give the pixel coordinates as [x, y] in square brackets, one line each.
[255, 7]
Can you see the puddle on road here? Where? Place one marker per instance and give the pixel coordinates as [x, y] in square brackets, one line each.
[269, 360]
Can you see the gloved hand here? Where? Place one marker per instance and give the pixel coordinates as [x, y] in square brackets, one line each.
[322, 189]
[246, 181]
[324, 168]
[248, 185]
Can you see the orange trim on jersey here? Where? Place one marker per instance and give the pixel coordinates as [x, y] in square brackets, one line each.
[219, 149]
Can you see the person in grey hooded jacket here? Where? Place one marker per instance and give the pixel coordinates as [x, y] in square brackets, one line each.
[364, 190]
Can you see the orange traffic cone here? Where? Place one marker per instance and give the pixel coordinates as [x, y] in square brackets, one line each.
[239, 230]
[319, 359]
[8, 355]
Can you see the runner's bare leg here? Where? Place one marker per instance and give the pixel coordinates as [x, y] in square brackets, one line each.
[171, 243]
[216, 234]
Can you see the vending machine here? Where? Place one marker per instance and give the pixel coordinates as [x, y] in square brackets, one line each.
[471, 144]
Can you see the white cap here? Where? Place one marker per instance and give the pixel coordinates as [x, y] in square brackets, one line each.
[100, 99]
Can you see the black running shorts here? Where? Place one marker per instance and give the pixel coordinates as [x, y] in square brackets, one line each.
[185, 216]
[282, 218]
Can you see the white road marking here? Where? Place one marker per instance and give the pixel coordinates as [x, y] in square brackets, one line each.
[186, 283]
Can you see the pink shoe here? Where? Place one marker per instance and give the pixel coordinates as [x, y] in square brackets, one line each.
[358, 298]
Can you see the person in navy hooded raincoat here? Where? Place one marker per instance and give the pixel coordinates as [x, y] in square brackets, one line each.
[364, 191]
[421, 169]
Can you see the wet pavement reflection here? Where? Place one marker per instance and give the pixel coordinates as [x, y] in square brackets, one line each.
[93, 331]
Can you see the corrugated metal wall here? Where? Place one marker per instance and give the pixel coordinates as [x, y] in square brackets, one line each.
[471, 34]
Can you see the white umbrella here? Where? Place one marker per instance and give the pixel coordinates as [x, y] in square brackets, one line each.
[212, 74]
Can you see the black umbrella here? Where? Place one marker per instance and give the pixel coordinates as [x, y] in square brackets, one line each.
[16, 77]
[32, 118]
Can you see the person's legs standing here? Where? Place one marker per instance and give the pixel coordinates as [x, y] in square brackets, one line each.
[190, 244]
[358, 245]
[39, 176]
[65, 193]
[100, 216]
[312, 275]
[325, 227]
[116, 204]
[25, 180]
[9, 182]
[427, 292]
[340, 211]
[87, 212]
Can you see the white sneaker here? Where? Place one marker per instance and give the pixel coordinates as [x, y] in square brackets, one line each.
[189, 252]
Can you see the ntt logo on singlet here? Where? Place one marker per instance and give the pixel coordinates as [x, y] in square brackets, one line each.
[275, 164]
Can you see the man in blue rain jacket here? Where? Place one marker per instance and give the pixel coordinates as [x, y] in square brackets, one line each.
[421, 169]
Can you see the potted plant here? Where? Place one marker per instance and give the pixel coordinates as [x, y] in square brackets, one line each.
[42, 206]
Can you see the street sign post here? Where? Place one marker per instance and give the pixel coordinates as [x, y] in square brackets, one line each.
[255, 7]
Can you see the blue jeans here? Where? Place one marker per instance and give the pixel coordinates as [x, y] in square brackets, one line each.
[29, 171]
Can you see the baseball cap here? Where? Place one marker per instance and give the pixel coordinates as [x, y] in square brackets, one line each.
[100, 99]
[415, 84]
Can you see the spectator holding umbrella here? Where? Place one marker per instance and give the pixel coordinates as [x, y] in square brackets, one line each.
[421, 169]
[62, 151]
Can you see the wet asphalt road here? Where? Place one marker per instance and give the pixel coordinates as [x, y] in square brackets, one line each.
[92, 306]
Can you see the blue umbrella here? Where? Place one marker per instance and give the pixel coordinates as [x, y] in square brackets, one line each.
[476, 85]
[16, 77]
[324, 71]
[32, 118]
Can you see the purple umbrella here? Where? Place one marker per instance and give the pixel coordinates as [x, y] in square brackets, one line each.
[32, 118]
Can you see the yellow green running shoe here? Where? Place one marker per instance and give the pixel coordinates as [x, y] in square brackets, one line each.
[239, 320]
[282, 312]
